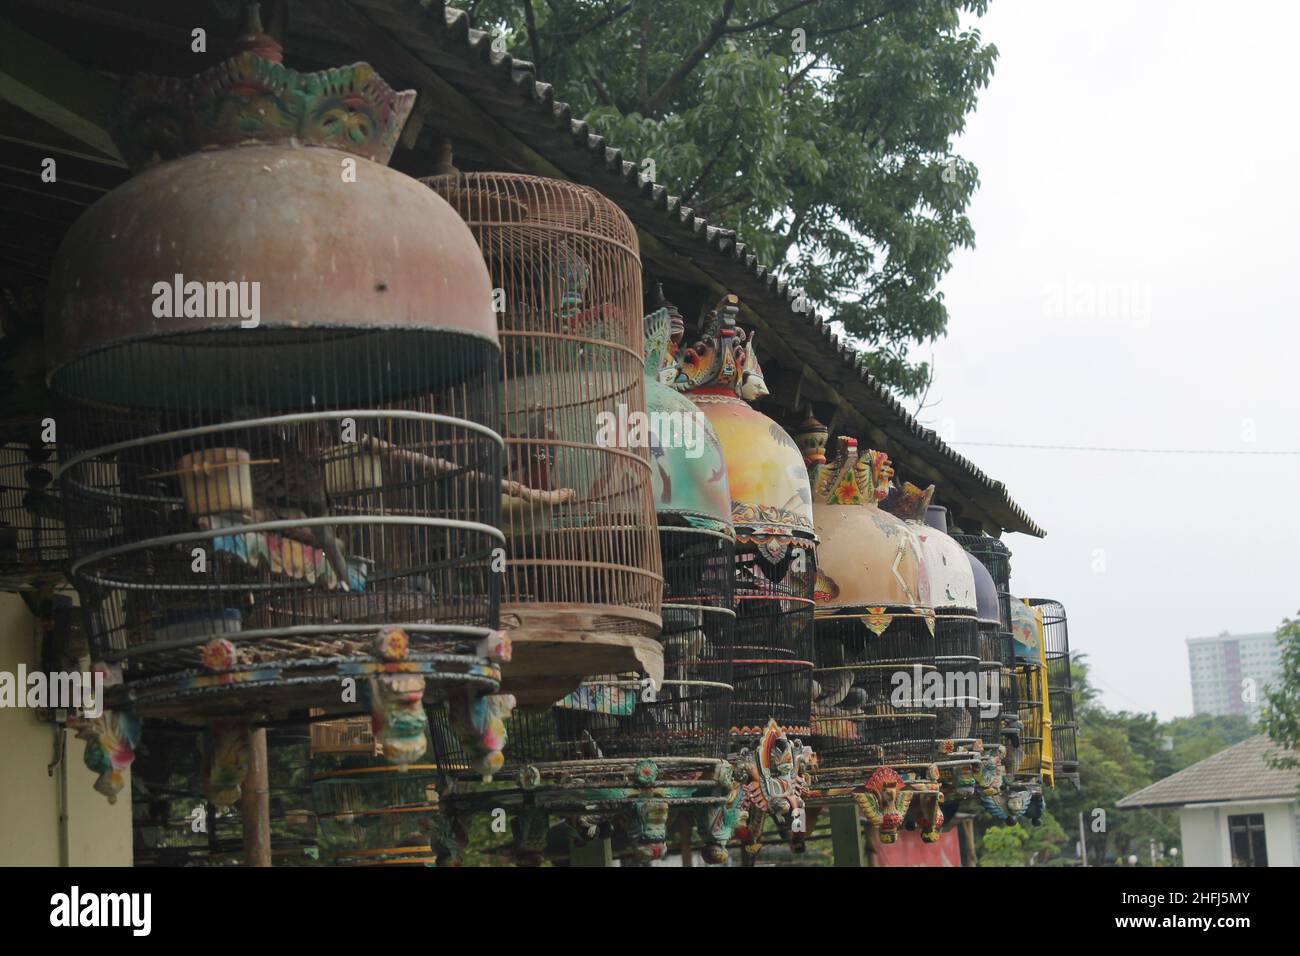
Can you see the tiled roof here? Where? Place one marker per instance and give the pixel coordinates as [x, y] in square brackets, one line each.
[1238, 773]
[508, 90]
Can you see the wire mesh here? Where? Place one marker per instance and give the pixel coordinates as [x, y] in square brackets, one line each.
[774, 643]
[293, 492]
[992, 553]
[1025, 755]
[370, 813]
[995, 656]
[578, 515]
[959, 661]
[32, 541]
[623, 717]
[871, 709]
[1060, 685]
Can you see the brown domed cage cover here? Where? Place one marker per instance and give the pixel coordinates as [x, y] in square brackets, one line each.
[583, 562]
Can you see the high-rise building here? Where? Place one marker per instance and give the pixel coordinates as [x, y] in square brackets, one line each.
[1230, 672]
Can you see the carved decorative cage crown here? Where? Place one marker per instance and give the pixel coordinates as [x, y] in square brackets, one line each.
[32, 541]
[280, 463]
[582, 573]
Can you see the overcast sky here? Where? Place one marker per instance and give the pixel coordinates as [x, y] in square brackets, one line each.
[1135, 284]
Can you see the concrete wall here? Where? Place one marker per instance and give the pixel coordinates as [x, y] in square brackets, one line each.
[99, 833]
[1205, 833]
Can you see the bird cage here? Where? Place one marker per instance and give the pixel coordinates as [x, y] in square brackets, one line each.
[174, 824]
[645, 759]
[582, 574]
[376, 815]
[994, 653]
[990, 552]
[875, 644]
[280, 464]
[32, 542]
[776, 568]
[1060, 687]
[347, 735]
[1030, 690]
[950, 587]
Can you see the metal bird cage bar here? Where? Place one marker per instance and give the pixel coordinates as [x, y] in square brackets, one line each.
[295, 522]
[995, 655]
[1060, 687]
[881, 662]
[280, 459]
[582, 576]
[990, 552]
[959, 660]
[773, 672]
[32, 542]
[174, 823]
[1025, 759]
[376, 815]
[370, 813]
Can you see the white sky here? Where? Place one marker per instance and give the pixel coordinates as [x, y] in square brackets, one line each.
[1135, 284]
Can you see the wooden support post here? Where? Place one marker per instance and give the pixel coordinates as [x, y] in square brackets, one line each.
[684, 841]
[42, 81]
[846, 835]
[255, 803]
[597, 852]
[966, 831]
[869, 842]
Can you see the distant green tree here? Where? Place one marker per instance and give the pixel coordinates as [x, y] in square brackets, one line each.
[1282, 705]
[822, 130]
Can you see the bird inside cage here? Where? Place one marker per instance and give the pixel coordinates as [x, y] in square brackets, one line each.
[276, 472]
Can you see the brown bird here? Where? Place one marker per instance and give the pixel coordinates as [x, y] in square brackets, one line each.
[294, 486]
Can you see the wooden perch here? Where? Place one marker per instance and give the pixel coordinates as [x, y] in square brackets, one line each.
[511, 489]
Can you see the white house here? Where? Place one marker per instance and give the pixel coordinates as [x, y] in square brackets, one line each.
[1234, 809]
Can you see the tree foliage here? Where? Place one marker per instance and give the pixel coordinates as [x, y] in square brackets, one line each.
[1282, 705]
[821, 130]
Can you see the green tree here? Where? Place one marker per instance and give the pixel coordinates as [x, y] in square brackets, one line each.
[1018, 845]
[1282, 704]
[822, 130]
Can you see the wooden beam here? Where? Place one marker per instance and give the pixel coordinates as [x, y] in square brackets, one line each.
[43, 82]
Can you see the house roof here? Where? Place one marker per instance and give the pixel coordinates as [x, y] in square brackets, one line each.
[1240, 773]
[519, 122]
[508, 90]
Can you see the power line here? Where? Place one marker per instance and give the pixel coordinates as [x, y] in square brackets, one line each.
[1129, 451]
